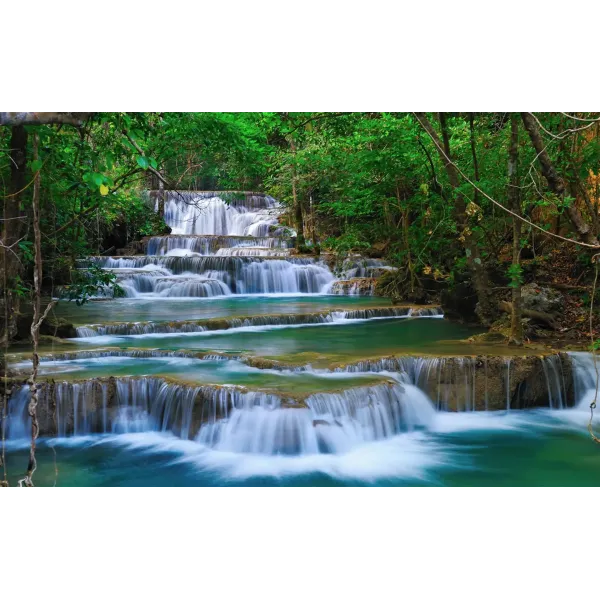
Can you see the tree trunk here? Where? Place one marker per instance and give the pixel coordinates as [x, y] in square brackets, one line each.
[514, 198]
[37, 320]
[36, 303]
[298, 219]
[313, 223]
[161, 198]
[486, 308]
[555, 181]
[12, 227]
[474, 154]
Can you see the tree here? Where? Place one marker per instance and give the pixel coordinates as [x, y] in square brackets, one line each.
[486, 309]
[514, 201]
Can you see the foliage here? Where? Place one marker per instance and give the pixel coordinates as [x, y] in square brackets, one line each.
[372, 183]
[92, 282]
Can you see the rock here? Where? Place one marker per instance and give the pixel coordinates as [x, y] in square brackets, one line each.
[362, 286]
[459, 302]
[541, 299]
[490, 382]
[58, 327]
[54, 327]
[490, 336]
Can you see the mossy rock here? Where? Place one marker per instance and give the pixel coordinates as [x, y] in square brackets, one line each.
[58, 327]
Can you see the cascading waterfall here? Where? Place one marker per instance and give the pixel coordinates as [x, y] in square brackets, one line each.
[127, 404]
[229, 243]
[358, 268]
[232, 419]
[331, 423]
[224, 417]
[206, 276]
[190, 213]
[18, 423]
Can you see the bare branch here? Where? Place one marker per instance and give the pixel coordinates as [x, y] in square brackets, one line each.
[77, 119]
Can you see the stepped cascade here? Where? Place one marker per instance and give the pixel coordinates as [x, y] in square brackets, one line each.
[219, 247]
[259, 352]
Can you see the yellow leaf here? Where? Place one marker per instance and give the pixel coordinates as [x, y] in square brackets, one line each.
[103, 190]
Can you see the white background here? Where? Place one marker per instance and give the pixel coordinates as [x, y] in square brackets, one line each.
[298, 543]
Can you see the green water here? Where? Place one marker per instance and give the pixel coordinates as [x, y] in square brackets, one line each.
[520, 448]
[319, 344]
[186, 309]
[203, 372]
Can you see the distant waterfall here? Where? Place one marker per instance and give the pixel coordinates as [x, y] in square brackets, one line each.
[225, 243]
[190, 213]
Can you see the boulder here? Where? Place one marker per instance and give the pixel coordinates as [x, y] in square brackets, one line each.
[541, 299]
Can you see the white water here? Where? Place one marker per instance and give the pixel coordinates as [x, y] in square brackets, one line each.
[199, 214]
[362, 434]
[149, 276]
[219, 248]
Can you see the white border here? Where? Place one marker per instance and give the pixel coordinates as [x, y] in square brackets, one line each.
[298, 543]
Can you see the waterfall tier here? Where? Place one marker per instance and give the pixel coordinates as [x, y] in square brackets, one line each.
[225, 243]
[224, 418]
[294, 319]
[208, 276]
[207, 245]
[214, 213]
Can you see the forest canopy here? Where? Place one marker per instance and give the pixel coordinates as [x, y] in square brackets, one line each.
[465, 205]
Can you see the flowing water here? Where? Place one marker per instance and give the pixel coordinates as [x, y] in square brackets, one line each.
[233, 361]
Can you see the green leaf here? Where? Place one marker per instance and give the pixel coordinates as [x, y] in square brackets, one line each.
[153, 163]
[98, 179]
[36, 165]
[142, 161]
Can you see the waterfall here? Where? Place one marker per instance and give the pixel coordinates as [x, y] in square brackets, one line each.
[209, 245]
[225, 243]
[584, 378]
[224, 417]
[359, 268]
[209, 276]
[331, 423]
[555, 382]
[190, 213]
[463, 383]
[126, 405]
[233, 419]
[18, 422]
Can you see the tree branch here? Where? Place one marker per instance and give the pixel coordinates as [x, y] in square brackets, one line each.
[77, 119]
